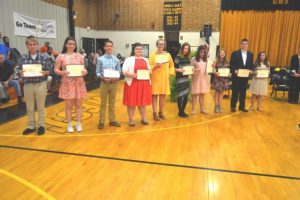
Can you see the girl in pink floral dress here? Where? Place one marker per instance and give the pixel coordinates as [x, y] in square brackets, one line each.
[72, 89]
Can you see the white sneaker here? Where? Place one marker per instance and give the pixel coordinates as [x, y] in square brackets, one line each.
[78, 127]
[70, 128]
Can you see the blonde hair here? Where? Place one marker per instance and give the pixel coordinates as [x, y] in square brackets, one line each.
[31, 39]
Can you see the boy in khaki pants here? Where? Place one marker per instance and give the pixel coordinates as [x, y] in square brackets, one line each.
[35, 86]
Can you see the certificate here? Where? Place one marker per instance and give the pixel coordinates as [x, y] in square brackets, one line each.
[161, 58]
[262, 73]
[244, 73]
[143, 74]
[75, 70]
[109, 73]
[32, 70]
[209, 67]
[223, 72]
[188, 70]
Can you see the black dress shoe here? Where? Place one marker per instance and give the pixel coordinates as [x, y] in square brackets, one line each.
[233, 110]
[185, 115]
[243, 109]
[28, 131]
[41, 130]
[181, 115]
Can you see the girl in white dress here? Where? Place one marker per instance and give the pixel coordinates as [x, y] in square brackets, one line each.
[259, 86]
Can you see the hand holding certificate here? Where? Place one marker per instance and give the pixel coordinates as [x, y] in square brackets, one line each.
[161, 58]
[109, 73]
[32, 70]
[224, 72]
[262, 73]
[74, 70]
[243, 73]
[143, 74]
[188, 70]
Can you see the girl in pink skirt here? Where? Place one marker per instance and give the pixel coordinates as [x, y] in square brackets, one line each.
[200, 84]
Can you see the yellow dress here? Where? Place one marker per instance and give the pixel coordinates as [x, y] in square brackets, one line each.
[160, 76]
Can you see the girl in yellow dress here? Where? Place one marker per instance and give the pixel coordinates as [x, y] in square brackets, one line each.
[162, 66]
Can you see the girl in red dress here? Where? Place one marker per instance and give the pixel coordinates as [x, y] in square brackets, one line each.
[137, 91]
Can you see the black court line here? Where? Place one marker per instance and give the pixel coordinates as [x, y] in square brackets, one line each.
[155, 163]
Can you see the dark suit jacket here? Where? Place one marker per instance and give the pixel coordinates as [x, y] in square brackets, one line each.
[295, 63]
[236, 62]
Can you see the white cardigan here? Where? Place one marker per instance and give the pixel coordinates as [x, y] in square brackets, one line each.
[129, 66]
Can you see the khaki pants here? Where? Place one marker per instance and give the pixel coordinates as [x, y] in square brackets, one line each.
[107, 91]
[35, 93]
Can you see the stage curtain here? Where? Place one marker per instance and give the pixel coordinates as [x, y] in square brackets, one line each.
[276, 32]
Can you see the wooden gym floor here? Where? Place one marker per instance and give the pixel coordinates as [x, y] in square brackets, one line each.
[238, 155]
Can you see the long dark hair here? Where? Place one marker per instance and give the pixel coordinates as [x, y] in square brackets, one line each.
[64, 50]
[137, 44]
[219, 60]
[182, 48]
[200, 48]
[258, 61]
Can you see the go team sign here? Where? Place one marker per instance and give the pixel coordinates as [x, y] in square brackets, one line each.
[26, 26]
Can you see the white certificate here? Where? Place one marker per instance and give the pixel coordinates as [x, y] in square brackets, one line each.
[161, 58]
[188, 70]
[244, 73]
[223, 72]
[143, 74]
[32, 70]
[262, 73]
[209, 67]
[75, 70]
[109, 73]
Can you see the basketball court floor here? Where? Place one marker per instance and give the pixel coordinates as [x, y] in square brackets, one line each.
[254, 155]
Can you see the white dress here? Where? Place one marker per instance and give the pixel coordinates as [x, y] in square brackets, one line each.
[259, 86]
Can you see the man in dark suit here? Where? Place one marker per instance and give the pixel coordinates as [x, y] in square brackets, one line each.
[295, 79]
[240, 59]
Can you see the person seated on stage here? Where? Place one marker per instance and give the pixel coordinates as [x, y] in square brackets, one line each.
[7, 74]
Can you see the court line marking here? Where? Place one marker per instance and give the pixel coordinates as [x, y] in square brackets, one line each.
[122, 133]
[27, 184]
[155, 163]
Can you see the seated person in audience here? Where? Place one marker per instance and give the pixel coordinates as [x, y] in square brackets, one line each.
[7, 47]
[44, 48]
[7, 74]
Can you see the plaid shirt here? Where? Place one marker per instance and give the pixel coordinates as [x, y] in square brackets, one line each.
[107, 62]
[40, 59]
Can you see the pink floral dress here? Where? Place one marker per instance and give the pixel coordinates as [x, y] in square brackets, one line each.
[71, 87]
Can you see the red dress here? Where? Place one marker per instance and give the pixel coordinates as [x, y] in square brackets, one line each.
[139, 93]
